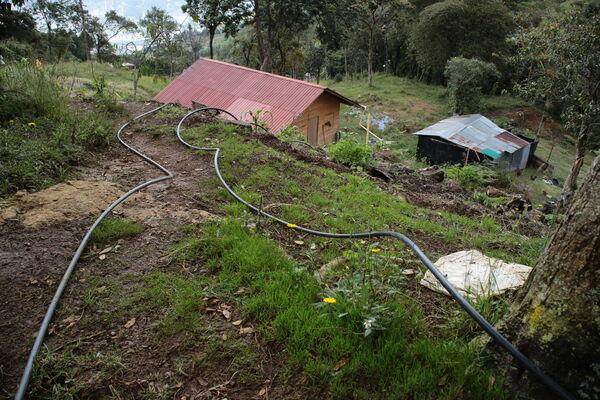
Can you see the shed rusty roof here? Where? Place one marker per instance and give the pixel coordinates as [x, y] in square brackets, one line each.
[475, 132]
[239, 89]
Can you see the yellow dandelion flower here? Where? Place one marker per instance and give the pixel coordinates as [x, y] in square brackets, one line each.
[329, 300]
[375, 250]
[31, 124]
[292, 225]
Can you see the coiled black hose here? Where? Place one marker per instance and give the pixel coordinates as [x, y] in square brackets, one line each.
[487, 327]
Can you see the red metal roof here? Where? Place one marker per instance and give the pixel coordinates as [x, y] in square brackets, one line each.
[239, 89]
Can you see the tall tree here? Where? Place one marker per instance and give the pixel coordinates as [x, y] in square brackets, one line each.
[84, 41]
[277, 24]
[55, 15]
[561, 60]
[155, 25]
[460, 28]
[555, 319]
[373, 14]
[159, 29]
[108, 28]
[17, 24]
[192, 40]
[214, 13]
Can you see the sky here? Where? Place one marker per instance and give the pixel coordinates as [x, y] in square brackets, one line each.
[135, 10]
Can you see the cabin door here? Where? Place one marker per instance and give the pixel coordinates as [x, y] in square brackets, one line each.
[313, 130]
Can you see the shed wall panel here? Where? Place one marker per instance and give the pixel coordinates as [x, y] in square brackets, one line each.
[327, 108]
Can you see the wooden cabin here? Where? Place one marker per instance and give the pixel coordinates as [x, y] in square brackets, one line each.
[282, 101]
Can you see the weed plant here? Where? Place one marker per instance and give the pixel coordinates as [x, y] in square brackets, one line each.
[470, 176]
[490, 202]
[112, 229]
[40, 137]
[362, 341]
[68, 374]
[351, 153]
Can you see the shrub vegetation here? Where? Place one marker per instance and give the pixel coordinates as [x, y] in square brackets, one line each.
[351, 153]
[41, 138]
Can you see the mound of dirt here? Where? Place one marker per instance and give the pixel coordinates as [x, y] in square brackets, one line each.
[75, 200]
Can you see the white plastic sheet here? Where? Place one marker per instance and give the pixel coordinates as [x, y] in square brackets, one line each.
[474, 274]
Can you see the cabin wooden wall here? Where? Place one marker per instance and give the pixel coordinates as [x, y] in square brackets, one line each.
[327, 108]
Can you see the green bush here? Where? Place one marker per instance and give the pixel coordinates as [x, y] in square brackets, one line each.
[351, 153]
[40, 137]
[94, 131]
[466, 80]
[470, 176]
[105, 97]
[490, 202]
[292, 132]
[13, 50]
[29, 94]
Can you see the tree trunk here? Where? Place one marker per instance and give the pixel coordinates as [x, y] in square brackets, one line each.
[264, 47]
[136, 77]
[555, 320]
[267, 43]
[571, 182]
[346, 63]
[211, 34]
[370, 58]
[49, 27]
[86, 51]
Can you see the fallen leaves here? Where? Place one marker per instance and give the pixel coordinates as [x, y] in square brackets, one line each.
[246, 331]
[106, 250]
[237, 323]
[340, 363]
[226, 314]
[299, 242]
[70, 319]
[129, 323]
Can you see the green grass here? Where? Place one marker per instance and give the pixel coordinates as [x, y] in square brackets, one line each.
[177, 301]
[112, 229]
[402, 355]
[41, 138]
[71, 373]
[561, 158]
[79, 75]
[411, 104]
[339, 202]
[403, 360]
[158, 130]
[409, 101]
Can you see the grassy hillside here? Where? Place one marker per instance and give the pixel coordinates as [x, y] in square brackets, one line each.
[411, 105]
[81, 75]
[361, 328]
[407, 101]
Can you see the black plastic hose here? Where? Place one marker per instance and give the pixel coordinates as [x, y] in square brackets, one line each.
[65, 279]
[487, 327]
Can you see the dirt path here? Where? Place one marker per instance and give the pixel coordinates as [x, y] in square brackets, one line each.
[91, 315]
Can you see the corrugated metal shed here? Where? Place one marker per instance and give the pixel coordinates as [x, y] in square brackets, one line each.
[475, 132]
[239, 89]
